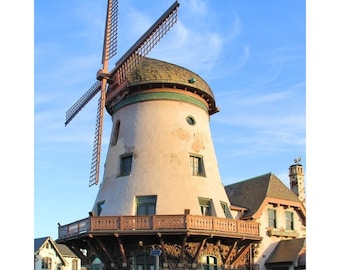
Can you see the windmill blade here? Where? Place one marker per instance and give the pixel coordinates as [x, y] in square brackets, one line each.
[78, 105]
[111, 31]
[94, 173]
[109, 50]
[124, 66]
[145, 44]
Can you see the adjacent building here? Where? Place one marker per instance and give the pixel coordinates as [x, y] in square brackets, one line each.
[50, 255]
[281, 215]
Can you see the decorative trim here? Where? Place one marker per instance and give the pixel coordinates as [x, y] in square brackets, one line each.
[158, 96]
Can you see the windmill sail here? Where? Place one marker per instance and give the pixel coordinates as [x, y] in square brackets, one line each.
[111, 31]
[80, 103]
[146, 43]
[124, 66]
[109, 50]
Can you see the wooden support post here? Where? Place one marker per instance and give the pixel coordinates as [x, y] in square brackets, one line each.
[183, 248]
[240, 254]
[229, 253]
[121, 249]
[199, 250]
[108, 255]
[165, 259]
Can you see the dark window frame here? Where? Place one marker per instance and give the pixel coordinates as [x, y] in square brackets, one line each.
[146, 205]
[197, 165]
[205, 206]
[46, 263]
[289, 216]
[125, 164]
[272, 218]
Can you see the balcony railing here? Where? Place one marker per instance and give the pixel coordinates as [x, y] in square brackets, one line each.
[158, 223]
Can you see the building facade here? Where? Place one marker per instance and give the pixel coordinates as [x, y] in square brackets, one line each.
[50, 255]
[281, 215]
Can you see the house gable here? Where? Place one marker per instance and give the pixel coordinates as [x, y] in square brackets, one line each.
[255, 193]
[46, 247]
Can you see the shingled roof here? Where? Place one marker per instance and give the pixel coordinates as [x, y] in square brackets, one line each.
[287, 251]
[252, 193]
[65, 251]
[156, 73]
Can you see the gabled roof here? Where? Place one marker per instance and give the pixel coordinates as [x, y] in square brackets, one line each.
[253, 193]
[39, 243]
[65, 251]
[286, 251]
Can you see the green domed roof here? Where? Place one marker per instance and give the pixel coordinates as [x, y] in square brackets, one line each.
[152, 73]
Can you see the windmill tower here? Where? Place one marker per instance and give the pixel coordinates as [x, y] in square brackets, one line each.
[161, 202]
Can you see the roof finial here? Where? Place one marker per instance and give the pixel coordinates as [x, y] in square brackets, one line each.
[297, 160]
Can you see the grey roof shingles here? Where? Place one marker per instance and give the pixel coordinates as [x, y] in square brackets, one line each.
[65, 251]
[61, 248]
[286, 251]
[153, 71]
[252, 192]
[38, 242]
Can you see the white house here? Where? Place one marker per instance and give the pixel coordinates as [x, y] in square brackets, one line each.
[53, 256]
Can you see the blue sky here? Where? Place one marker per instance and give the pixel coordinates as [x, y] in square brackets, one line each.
[251, 53]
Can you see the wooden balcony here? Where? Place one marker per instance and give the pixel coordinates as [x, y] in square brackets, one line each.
[173, 224]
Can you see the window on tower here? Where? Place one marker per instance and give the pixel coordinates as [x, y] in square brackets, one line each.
[226, 210]
[205, 205]
[196, 165]
[145, 205]
[100, 206]
[125, 164]
[115, 133]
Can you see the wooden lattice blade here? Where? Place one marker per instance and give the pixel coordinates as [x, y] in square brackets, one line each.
[94, 173]
[111, 31]
[145, 44]
[80, 103]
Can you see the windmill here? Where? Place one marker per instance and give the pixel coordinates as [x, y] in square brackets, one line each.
[109, 84]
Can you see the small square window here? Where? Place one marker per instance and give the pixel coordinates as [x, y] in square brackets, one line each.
[196, 165]
[100, 207]
[205, 205]
[125, 164]
[145, 205]
[226, 210]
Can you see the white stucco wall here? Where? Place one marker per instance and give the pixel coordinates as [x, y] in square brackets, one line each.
[158, 135]
[268, 243]
[47, 252]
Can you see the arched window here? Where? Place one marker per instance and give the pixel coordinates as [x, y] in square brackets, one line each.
[74, 264]
[209, 262]
[115, 133]
[46, 263]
